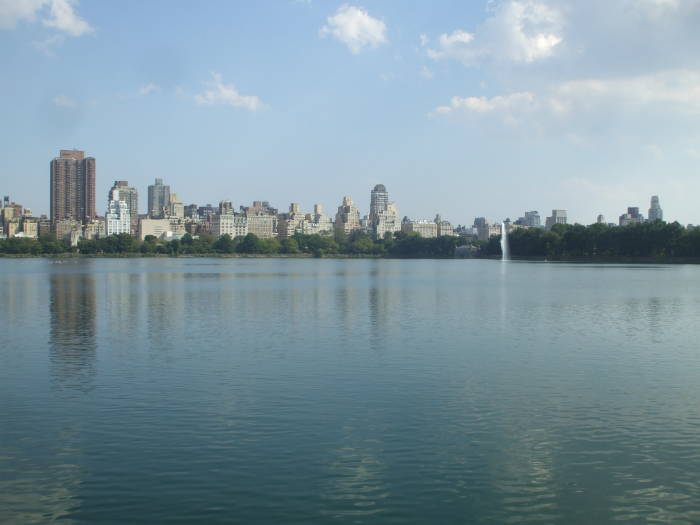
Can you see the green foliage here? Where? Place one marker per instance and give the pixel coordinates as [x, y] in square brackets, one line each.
[649, 239]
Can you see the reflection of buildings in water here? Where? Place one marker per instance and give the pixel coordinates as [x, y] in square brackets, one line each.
[73, 328]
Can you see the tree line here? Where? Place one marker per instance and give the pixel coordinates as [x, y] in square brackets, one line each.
[356, 244]
[656, 239]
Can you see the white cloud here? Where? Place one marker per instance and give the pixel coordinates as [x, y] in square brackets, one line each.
[355, 28]
[63, 101]
[61, 16]
[227, 94]
[590, 103]
[13, 11]
[64, 18]
[149, 88]
[424, 40]
[521, 31]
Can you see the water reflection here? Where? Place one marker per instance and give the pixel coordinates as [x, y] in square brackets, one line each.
[72, 343]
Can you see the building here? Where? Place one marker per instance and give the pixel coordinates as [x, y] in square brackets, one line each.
[129, 195]
[97, 229]
[484, 229]
[655, 211]
[444, 228]
[530, 219]
[158, 200]
[30, 227]
[176, 208]
[117, 218]
[72, 187]
[63, 228]
[379, 202]
[425, 228]
[600, 219]
[191, 212]
[225, 208]
[262, 225]
[347, 219]
[631, 217]
[292, 222]
[156, 227]
[557, 217]
[229, 224]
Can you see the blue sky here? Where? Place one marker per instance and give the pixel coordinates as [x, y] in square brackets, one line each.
[463, 108]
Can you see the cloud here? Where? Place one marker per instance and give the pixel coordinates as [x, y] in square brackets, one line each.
[61, 16]
[227, 94]
[64, 18]
[13, 11]
[149, 88]
[63, 101]
[590, 104]
[520, 31]
[423, 39]
[355, 28]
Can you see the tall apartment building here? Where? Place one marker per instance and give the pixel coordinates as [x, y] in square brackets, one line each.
[379, 201]
[129, 195]
[655, 211]
[72, 187]
[158, 199]
[118, 217]
[347, 219]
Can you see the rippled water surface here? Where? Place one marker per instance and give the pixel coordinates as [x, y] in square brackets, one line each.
[348, 391]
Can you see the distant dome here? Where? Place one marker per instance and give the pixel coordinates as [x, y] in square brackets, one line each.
[380, 187]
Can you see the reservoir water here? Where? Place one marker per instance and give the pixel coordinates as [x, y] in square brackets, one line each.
[348, 391]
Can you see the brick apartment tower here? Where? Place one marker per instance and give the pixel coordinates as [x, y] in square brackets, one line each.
[73, 187]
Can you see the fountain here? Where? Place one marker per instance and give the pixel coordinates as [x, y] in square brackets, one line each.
[504, 243]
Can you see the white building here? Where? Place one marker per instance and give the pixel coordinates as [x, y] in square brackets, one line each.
[117, 218]
[228, 224]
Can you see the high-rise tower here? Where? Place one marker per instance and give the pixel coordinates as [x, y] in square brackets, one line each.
[158, 199]
[655, 211]
[73, 187]
[131, 196]
[379, 201]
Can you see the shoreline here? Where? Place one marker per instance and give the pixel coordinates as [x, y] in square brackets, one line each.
[577, 260]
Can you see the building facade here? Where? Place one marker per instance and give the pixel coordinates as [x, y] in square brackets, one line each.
[347, 219]
[425, 228]
[117, 218]
[130, 195]
[557, 217]
[229, 224]
[72, 191]
[655, 211]
[158, 199]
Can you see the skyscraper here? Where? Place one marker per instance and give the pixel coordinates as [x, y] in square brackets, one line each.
[158, 199]
[131, 196]
[73, 187]
[379, 200]
[655, 212]
[117, 218]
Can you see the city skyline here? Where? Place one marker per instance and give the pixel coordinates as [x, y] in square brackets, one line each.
[485, 108]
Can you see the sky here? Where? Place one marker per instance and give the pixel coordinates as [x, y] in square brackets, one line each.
[480, 108]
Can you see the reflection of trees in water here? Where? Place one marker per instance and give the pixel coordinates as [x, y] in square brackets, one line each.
[72, 337]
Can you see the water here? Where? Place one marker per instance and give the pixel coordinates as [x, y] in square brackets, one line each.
[348, 391]
[505, 249]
